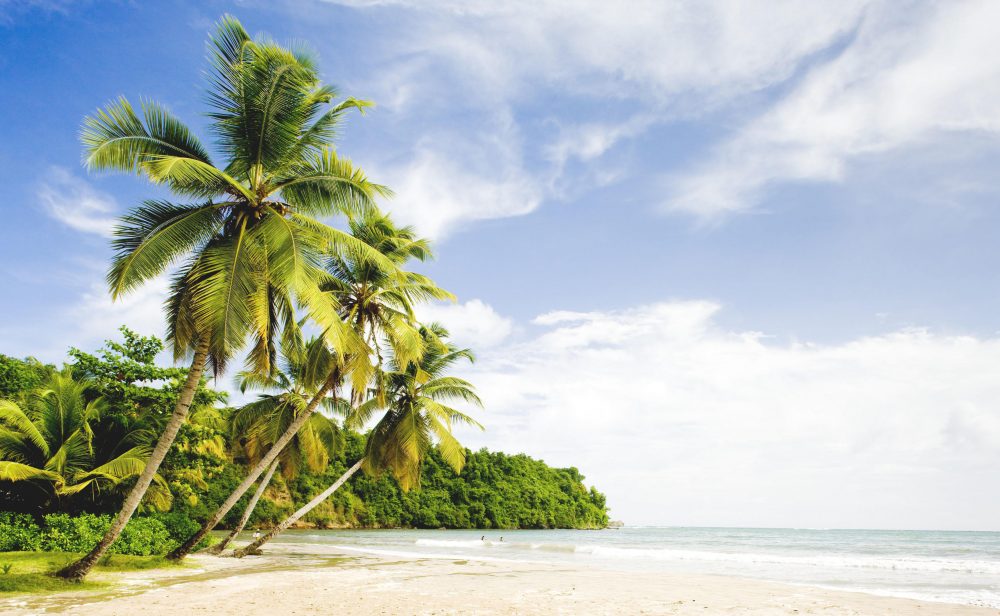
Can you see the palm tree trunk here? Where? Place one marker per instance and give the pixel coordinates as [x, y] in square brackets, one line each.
[292, 519]
[217, 549]
[79, 569]
[184, 549]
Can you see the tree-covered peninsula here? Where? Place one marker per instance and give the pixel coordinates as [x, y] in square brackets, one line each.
[71, 443]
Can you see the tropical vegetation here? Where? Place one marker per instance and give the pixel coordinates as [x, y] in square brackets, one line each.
[256, 263]
[493, 489]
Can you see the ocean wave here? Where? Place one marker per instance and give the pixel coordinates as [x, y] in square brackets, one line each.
[455, 543]
[853, 561]
[760, 558]
[429, 555]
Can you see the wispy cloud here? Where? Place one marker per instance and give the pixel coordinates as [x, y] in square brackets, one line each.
[664, 58]
[76, 204]
[452, 179]
[652, 49]
[907, 78]
[803, 90]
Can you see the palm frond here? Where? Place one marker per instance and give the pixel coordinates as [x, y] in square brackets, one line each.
[115, 138]
[15, 471]
[152, 236]
[327, 184]
[12, 415]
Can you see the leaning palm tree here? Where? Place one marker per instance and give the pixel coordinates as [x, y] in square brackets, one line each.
[377, 303]
[252, 243]
[256, 426]
[52, 444]
[375, 300]
[416, 417]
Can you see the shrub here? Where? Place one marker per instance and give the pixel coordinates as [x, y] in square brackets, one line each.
[79, 533]
[179, 525]
[18, 532]
[142, 536]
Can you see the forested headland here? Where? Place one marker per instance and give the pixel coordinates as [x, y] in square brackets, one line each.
[93, 420]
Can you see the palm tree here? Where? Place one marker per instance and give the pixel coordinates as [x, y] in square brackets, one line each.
[252, 244]
[256, 426]
[417, 415]
[375, 299]
[52, 444]
[378, 303]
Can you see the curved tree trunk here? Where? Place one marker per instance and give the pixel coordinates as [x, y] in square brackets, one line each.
[292, 519]
[185, 548]
[79, 569]
[217, 548]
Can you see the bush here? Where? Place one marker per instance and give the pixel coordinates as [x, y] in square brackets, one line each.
[65, 533]
[143, 537]
[179, 525]
[19, 533]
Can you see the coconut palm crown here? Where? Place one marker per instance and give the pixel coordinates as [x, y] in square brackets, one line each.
[51, 442]
[258, 424]
[248, 227]
[417, 412]
[378, 302]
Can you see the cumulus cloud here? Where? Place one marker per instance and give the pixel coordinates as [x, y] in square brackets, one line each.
[907, 78]
[472, 324]
[76, 204]
[682, 421]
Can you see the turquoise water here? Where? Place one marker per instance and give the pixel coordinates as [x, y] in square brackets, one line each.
[954, 567]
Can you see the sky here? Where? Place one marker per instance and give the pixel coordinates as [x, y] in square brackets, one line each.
[735, 261]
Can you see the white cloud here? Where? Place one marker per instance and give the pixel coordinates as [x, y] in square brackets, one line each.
[95, 316]
[854, 81]
[452, 179]
[683, 422]
[473, 324]
[650, 61]
[76, 204]
[649, 48]
[906, 78]
[87, 320]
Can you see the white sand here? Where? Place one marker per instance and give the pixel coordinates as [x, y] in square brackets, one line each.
[286, 583]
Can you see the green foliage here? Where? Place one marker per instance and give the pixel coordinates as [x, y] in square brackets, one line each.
[60, 532]
[54, 446]
[209, 457]
[21, 375]
[128, 378]
[244, 232]
[64, 533]
[141, 537]
[119, 400]
[18, 531]
[494, 490]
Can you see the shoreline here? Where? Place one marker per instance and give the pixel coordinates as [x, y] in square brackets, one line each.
[292, 581]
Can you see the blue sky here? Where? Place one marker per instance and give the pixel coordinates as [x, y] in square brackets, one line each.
[742, 251]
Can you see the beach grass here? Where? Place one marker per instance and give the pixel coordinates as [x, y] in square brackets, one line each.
[31, 572]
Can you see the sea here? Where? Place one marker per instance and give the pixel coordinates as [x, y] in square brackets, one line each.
[945, 566]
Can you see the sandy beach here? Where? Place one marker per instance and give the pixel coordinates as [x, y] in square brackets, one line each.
[289, 582]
